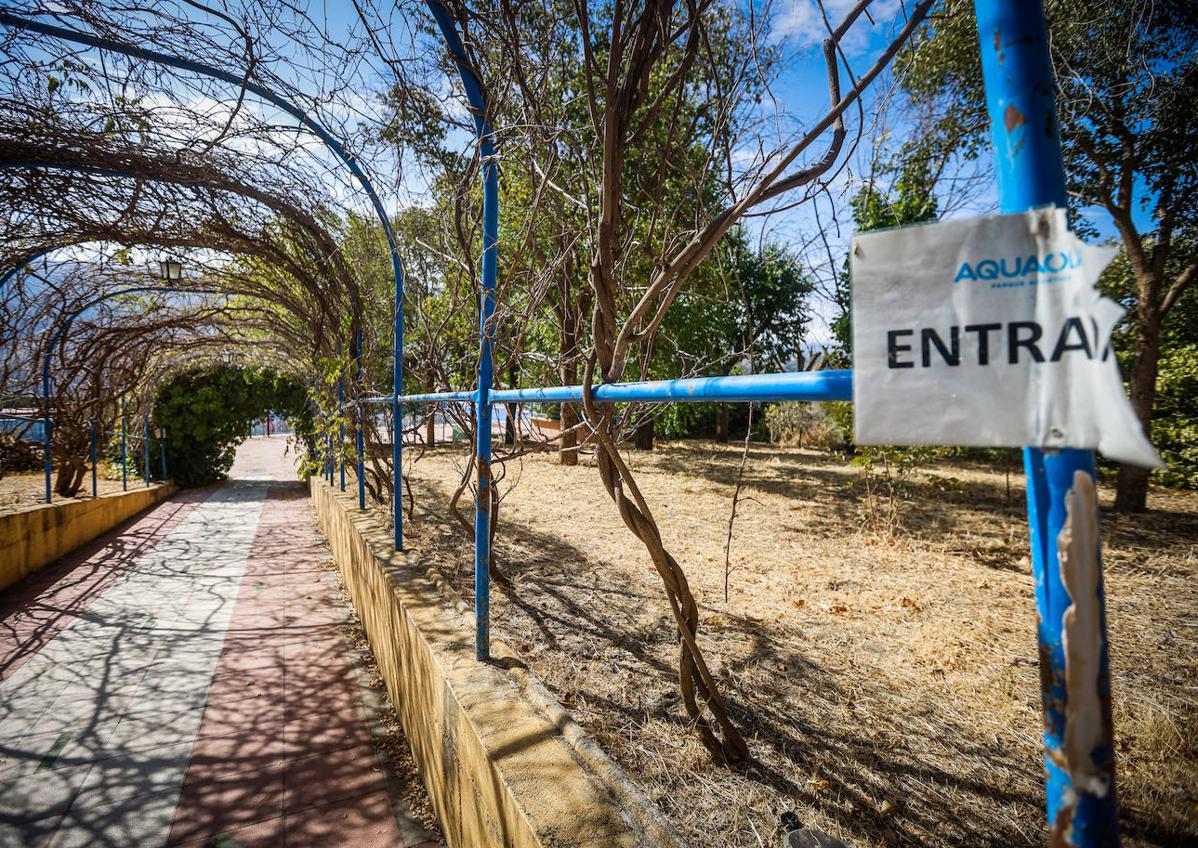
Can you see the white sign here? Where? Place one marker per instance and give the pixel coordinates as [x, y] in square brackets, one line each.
[988, 333]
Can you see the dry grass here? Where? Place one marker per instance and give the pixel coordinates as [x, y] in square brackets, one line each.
[21, 491]
[888, 686]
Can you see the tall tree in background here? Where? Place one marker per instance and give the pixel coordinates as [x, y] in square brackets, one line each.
[1127, 89]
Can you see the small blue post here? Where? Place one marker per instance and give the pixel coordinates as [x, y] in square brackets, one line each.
[47, 423]
[124, 451]
[93, 456]
[397, 416]
[162, 451]
[1020, 99]
[361, 423]
[341, 428]
[145, 458]
[482, 503]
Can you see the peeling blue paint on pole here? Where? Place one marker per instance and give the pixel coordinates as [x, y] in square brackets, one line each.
[1020, 98]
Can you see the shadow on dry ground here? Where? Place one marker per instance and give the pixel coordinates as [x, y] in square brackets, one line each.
[888, 686]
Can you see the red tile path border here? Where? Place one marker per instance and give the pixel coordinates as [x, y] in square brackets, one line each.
[35, 610]
[284, 755]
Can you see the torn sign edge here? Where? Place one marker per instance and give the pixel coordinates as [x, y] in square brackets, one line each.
[1118, 433]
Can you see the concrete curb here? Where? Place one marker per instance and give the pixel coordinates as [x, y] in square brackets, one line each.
[503, 762]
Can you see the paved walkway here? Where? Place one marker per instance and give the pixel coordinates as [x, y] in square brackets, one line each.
[186, 682]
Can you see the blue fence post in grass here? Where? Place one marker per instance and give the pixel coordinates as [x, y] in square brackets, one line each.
[145, 454]
[93, 456]
[1021, 102]
[397, 419]
[162, 451]
[47, 423]
[361, 417]
[482, 407]
[341, 427]
[124, 451]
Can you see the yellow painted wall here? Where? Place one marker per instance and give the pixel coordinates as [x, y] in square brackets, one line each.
[503, 763]
[34, 537]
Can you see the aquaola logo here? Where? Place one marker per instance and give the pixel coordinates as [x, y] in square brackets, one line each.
[1018, 267]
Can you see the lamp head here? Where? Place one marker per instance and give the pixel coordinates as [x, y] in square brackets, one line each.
[170, 270]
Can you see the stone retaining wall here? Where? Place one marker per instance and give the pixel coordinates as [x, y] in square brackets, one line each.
[37, 536]
[504, 764]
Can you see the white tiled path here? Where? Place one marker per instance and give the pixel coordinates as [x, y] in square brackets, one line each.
[186, 682]
[108, 710]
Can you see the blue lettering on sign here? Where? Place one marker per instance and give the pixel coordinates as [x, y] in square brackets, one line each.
[1017, 267]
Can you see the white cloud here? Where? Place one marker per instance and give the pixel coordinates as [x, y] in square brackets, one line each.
[801, 24]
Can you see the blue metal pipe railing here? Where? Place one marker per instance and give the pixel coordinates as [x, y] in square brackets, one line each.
[1020, 98]
[773, 387]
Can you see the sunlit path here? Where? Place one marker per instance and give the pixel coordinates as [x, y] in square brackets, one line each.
[205, 692]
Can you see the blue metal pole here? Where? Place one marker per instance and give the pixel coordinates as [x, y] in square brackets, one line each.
[124, 449]
[93, 455]
[341, 427]
[482, 503]
[1020, 99]
[361, 446]
[162, 452]
[15, 269]
[47, 422]
[145, 457]
[397, 417]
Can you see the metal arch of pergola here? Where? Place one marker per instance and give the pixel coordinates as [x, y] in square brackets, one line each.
[1018, 74]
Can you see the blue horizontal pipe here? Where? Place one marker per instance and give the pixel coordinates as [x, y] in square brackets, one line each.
[796, 386]
[791, 385]
[801, 385]
[433, 397]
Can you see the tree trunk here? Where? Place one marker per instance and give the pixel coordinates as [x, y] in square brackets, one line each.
[721, 422]
[1131, 493]
[568, 454]
[430, 424]
[70, 477]
[509, 429]
[644, 435]
[568, 369]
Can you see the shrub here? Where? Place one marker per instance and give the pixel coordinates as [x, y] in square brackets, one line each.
[803, 424]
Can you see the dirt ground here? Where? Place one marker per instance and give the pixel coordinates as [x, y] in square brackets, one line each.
[20, 491]
[887, 685]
